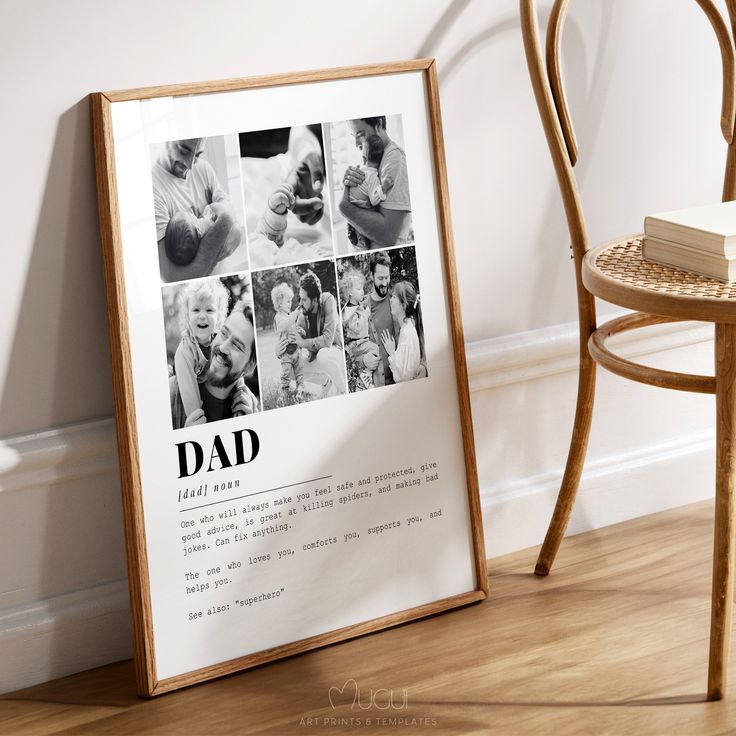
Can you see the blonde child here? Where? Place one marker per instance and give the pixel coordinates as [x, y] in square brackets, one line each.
[352, 289]
[202, 310]
[358, 345]
[292, 362]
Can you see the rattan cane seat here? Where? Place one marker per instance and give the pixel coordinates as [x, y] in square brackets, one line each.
[617, 273]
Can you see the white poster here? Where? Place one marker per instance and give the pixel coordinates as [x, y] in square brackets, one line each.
[302, 466]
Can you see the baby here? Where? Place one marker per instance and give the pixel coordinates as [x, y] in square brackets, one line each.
[184, 233]
[352, 288]
[292, 362]
[372, 191]
[358, 345]
[273, 220]
[202, 309]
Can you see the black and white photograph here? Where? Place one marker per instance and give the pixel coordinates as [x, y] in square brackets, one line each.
[300, 344]
[382, 318]
[370, 184]
[210, 350]
[287, 213]
[198, 207]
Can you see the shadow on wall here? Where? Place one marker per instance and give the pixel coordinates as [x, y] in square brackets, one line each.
[553, 273]
[79, 540]
[64, 289]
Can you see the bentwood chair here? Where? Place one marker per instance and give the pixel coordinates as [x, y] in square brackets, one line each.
[617, 273]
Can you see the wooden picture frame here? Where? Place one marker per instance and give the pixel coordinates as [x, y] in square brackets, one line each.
[132, 311]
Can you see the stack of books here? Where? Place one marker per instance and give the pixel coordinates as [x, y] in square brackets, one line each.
[699, 239]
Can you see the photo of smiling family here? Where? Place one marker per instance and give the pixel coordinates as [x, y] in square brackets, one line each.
[210, 350]
[382, 318]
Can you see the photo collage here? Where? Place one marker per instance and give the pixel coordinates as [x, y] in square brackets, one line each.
[288, 267]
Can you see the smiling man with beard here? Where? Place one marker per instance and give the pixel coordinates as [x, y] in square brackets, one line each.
[378, 305]
[322, 342]
[224, 393]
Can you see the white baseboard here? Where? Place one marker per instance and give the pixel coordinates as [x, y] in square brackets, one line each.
[65, 634]
[613, 489]
[59, 454]
[47, 632]
[526, 356]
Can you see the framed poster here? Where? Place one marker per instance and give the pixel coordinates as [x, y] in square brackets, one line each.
[292, 403]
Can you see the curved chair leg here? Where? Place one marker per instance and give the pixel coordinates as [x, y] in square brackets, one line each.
[723, 538]
[574, 466]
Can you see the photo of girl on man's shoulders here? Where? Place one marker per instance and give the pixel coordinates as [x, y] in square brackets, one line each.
[210, 350]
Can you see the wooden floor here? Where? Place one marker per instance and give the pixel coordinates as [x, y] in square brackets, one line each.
[614, 641]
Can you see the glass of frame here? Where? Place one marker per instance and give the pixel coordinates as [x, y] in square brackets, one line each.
[292, 403]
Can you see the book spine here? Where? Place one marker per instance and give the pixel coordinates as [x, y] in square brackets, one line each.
[691, 237]
[725, 271]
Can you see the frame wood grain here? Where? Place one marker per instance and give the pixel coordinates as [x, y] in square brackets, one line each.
[148, 682]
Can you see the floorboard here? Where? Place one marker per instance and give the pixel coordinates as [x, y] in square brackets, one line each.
[614, 641]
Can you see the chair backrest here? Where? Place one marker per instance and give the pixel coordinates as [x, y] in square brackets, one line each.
[549, 92]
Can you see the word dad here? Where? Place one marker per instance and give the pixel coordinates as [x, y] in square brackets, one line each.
[218, 454]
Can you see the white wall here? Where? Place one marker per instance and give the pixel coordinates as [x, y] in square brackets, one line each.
[644, 86]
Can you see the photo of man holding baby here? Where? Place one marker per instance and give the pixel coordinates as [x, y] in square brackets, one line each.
[198, 207]
[370, 183]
